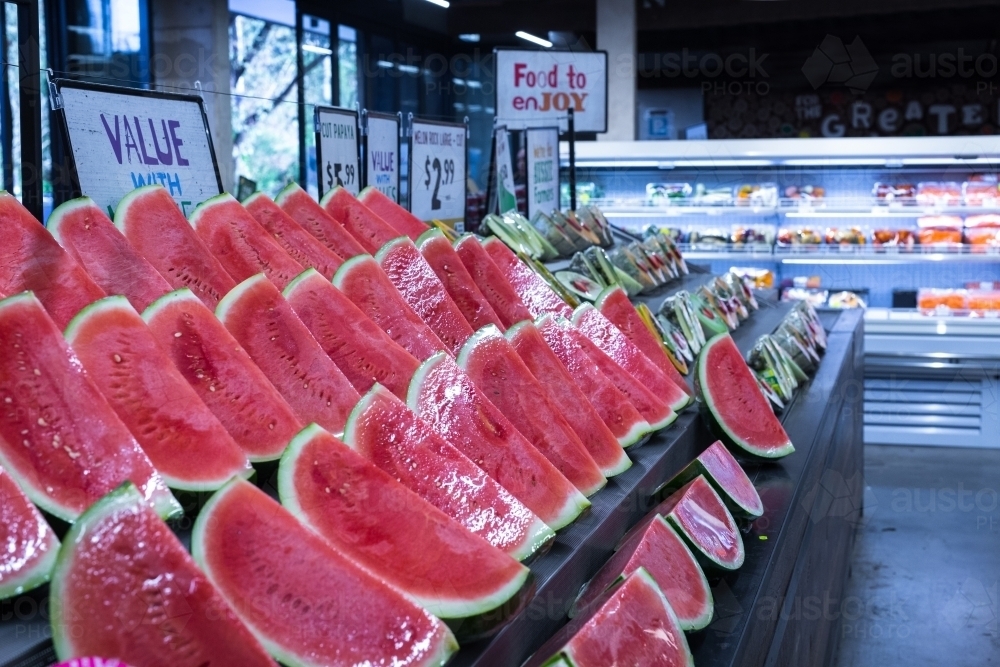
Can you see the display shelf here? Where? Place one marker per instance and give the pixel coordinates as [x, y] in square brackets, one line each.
[844, 207]
[843, 254]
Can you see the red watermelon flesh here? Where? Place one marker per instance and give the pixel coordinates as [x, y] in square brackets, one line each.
[371, 231]
[58, 436]
[401, 220]
[362, 351]
[391, 531]
[616, 345]
[364, 282]
[448, 267]
[242, 246]
[125, 587]
[491, 282]
[664, 555]
[534, 292]
[415, 280]
[633, 624]
[82, 228]
[304, 210]
[494, 366]
[30, 259]
[265, 325]
[300, 245]
[384, 431]
[447, 400]
[738, 411]
[614, 408]
[154, 225]
[180, 435]
[223, 375]
[726, 476]
[580, 414]
[614, 304]
[30, 546]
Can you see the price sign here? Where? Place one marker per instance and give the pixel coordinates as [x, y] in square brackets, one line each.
[437, 171]
[382, 153]
[506, 199]
[337, 150]
[543, 169]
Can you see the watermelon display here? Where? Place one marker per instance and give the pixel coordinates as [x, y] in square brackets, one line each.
[580, 414]
[240, 243]
[364, 282]
[444, 397]
[30, 259]
[357, 345]
[423, 291]
[59, 438]
[180, 435]
[223, 375]
[30, 546]
[633, 624]
[726, 476]
[495, 367]
[124, 587]
[534, 292]
[306, 602]
[736, 409]
[448, 267]
[384, 431]
[300, 245]
[396, 535]
[304, 210]
[265, 325]
[491, 281]
[663, 554]
[614, 408]
[371, 231]
[86, 233]
[401, 220]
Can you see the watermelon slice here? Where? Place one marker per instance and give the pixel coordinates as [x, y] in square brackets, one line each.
[444, 397]
[401, 220]
[413, 277]
[498, 371]
[360, 349]
[491, 281]
[534, 292]
[384, 431]
[448, 267]
[736, 409]
[265, 325]
[371, 231]
[124, 586]
[614, 304]
[241, 245]
[633, 624]
[30, 546]
[303, 599]
[82, 228]
[396, 535]
[223, 375]
[59, 438]
[664, 555]
[614, 408]
[30, 259]
[154, 225]
[580, 414]
[364, 282]
[180, 435]
[304, 210]
[726, 476]
[300, 245]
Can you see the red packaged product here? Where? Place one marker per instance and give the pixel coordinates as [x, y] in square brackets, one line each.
[939, 194]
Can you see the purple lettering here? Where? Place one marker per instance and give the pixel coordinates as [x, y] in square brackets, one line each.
[167, 157]
[142, 143]
[173, 125]
[130, 144]
[115, 139]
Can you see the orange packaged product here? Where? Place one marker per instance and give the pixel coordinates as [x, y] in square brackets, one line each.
[939, 194]
[940, 230]
[931, 300]
[983, 232]
[981, 193]
[984, 303]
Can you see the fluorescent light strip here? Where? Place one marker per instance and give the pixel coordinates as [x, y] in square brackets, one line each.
[321, 50]
[528, 37]
[440, 3]
[409, 69]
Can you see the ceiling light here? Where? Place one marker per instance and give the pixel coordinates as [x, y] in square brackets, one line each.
[321, 50]
[527, 36]
[440, 3]
[469, 37]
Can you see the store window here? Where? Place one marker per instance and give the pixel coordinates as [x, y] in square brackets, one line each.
[105, 40]
[317, 76]
[347, 67]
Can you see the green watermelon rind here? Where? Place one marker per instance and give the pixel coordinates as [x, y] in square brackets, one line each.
[429, 236]
[329, 195]
[199, 212]
[286, 192]
[296, 282]
[40, 572]
[181, 295]
[60, 213]
[718, 425]
[693, 470]
[227, 302]
[121, 211]
[706, 559]
[575, 505]
[349, 266]
[389, 246]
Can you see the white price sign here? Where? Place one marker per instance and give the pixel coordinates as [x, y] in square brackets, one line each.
[123, 138]
[506, 198]
[337, 150]
[437, 171]
[382, 154]
[543, 169]
[539, 87]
